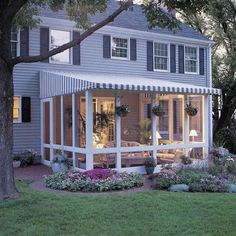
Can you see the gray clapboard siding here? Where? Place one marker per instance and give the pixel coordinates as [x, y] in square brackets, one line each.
[26, 77]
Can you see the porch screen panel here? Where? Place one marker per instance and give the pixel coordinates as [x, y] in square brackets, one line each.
[177, 118]
[163, 123]
[68, 120]
[196, 122]
[46, 122]
[80, 124]
[136, 126]
[104, 119]
[57, 120]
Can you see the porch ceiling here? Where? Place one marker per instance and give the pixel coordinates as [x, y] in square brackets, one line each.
[54, 83]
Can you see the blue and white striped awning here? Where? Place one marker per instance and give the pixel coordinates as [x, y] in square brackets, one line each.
[54, 83]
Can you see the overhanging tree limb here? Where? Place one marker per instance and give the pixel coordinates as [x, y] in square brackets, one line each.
[30, 59]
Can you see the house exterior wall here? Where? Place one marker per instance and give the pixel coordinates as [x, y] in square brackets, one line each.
[26, 76]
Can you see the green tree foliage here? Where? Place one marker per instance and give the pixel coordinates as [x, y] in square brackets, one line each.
[217, 20]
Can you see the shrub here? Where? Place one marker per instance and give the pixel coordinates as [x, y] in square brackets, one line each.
[26, 157]
[165, 179]
[97, 180]
[231, 166]
[193, 176]
[228, 137]
[208, 185]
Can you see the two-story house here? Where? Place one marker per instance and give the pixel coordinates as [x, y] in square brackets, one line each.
[68, 103]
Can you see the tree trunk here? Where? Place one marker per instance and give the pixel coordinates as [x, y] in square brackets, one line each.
[7, 184]
[226, 114]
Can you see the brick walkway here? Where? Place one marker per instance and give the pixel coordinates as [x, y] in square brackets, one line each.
[35, 172]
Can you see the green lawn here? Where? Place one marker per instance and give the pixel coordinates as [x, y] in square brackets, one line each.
[149, 213]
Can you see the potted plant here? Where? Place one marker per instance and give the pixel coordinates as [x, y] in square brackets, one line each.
[59, 163]
[191, 110]
[122, 110]
[16, 161]
[186, 160]
[150, 165]
[158, 110]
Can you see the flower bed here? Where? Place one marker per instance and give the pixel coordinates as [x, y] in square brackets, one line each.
[97, 180]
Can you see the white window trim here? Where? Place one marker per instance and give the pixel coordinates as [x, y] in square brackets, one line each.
[128, 48]
[168, 57]
[197, 66]
[70, 49]
[20, 110]
[17, 41]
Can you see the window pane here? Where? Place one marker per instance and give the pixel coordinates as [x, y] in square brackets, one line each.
[161, 63]
[119, 47]
[118, 42]
[190, 53]
[14, 49]
[16, 108]
[59, 38]
[190, 66]
[160, 49]
[119, 52]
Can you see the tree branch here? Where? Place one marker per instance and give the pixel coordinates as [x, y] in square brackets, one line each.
[14, 7]
[30, 59]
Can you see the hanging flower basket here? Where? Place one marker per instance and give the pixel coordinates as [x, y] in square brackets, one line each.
[158, 110]
[191, 110]
[122, 110]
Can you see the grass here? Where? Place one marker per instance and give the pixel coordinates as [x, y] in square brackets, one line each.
[148, 213]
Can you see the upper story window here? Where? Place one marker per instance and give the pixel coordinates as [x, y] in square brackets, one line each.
[58, 38]
[14, 42]
[17, 109]
[120, 48]
[190, 58]
[161, 56]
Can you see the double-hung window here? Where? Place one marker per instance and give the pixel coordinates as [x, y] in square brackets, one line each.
[58, 38]
[17, 109]
[120, 48]
[14, 42]
[161, 56]
[190, 59]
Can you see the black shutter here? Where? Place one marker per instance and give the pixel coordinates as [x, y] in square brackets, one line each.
[44, 41]
[181, 59]
[24, 41]
[26, 109]
[149, 111]
[76, 49]
[201, 61]
[133, 50]
[172, 58]
[149, 55]
[106, 46]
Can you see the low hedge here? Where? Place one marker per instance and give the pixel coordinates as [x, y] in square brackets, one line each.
[98, 180]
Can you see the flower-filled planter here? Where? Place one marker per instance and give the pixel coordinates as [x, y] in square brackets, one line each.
[158, 110]
[191, 110]
[150, 165]
[122, 110]
[59, 164]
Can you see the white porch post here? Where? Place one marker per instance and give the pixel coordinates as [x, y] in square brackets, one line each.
[186, 126]
[89, 129]
[206, 123]
[210, 140]
[62, 123]
[74, 127]
[154, 128]
[118, 134]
